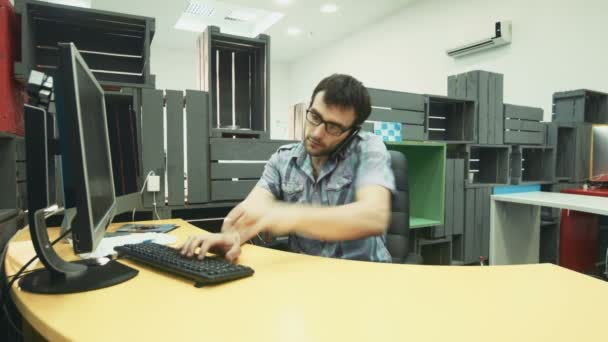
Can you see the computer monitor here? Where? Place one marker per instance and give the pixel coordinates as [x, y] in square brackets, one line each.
[85, 149]
[40, 164]
[87, 181]
[599, 154]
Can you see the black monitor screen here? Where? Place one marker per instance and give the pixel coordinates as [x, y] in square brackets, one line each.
[94, 136]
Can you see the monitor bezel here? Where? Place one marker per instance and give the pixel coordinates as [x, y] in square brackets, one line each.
[81, 242]
[597, 175]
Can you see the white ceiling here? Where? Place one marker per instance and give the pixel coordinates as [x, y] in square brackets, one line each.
[319, 30]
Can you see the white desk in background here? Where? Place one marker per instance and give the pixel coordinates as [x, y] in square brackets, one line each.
[515, 222]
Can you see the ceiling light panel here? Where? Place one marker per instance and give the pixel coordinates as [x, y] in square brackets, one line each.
[232, 19]
[197, 8]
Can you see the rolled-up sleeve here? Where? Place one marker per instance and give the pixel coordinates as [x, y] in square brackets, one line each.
[271, 178]
[375, 165]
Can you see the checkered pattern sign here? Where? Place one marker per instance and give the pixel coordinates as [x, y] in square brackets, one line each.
[389, 131]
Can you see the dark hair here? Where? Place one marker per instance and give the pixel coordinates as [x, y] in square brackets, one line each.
[347, 92]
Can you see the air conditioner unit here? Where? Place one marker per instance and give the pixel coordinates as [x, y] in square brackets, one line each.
[502, 36]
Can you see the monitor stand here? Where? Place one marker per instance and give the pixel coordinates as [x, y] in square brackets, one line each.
[60, 276]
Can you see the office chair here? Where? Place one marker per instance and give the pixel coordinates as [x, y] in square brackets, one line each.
[398, 232]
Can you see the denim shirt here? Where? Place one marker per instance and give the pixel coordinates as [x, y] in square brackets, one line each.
[288, 175]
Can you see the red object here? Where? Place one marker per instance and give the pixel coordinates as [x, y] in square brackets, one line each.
[600, 179]
[11, 91]
[578, 237]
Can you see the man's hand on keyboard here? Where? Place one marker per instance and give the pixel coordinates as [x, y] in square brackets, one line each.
[227, 244]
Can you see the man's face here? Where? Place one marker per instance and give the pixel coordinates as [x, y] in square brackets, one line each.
[318, 142]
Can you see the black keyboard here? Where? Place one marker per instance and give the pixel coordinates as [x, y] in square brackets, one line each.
[210, 270]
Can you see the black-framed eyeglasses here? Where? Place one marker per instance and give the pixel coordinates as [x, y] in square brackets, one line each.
[330, 127]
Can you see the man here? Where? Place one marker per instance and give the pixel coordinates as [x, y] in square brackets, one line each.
[330, 192]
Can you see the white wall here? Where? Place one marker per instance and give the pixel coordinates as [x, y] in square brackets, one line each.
[175, 69]
[557, 45]
[279, 100]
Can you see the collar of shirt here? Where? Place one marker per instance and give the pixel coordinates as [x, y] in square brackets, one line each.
[302, 159]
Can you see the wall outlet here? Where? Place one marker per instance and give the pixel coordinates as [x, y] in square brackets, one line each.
[153, 183]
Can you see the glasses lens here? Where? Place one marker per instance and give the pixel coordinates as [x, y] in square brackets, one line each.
[333, 129]
[313, 118]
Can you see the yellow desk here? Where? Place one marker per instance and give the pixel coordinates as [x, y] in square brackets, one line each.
[294, 297]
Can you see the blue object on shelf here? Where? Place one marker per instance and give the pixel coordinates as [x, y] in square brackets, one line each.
[515, 189]
[389, 131]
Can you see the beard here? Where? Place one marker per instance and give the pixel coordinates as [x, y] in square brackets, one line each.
[317, 149]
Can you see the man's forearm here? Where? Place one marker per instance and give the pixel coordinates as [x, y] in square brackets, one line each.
[346, 222]
[254, 205]
[228, 224]
[244, 234]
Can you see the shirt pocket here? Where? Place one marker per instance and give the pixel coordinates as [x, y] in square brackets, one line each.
[293, 192]
[339, 190]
